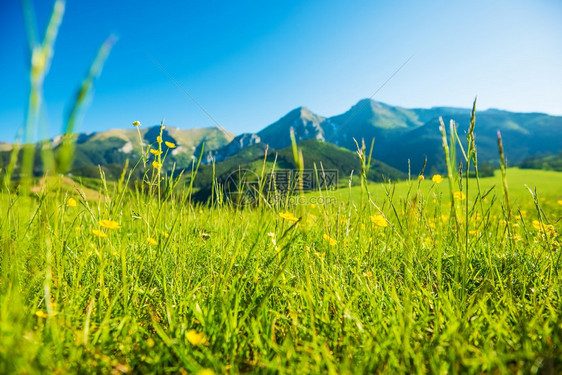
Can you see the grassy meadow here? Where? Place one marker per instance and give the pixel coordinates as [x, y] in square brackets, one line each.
[381, 280]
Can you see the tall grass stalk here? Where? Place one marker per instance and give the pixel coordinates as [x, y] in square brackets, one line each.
[470, 156]
[450, 169]
[503, 167]
[41, 54]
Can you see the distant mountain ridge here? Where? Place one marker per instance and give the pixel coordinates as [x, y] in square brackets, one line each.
[114, 146]
[403, 134]
[404, 137]
[305, 123]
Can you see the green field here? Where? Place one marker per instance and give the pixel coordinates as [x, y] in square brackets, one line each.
[547, 183]
[392, 285]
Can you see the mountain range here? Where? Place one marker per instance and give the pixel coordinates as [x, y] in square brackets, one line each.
[404, 138]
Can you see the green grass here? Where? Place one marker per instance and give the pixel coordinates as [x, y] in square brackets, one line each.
[236, 290]
[548, 184]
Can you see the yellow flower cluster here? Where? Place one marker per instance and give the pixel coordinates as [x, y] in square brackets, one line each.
[540, 226]
[110, 224]
[437, 179]
[288, 216]
[331, 241]
[107, 224]
[194, 337]
[379, 220]
[157, 164]
[99, 233]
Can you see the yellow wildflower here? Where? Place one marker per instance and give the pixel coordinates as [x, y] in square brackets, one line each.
[379, 220]
[155, 152]
[421, 177]
[159, 139]
[156, 165]
[99, 233]
[206, 371]
[71, 202]
[41, 314]
[544, 227]
[288, 216]
[560, 202]
[78, 229]
[165, 234]
[136, 123]
[330, 240]
[110, 224]
[437, 179]
[194, 337]
[170, 144]
[152, 241]
[459, 195]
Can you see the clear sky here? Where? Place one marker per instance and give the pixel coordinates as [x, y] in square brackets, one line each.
[250, 62]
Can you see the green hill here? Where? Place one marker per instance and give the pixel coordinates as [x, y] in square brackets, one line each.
[322, 154]
[546, 162]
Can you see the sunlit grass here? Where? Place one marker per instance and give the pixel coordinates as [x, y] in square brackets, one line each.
[144, 284]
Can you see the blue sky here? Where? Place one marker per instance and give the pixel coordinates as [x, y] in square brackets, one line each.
[250, 62]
